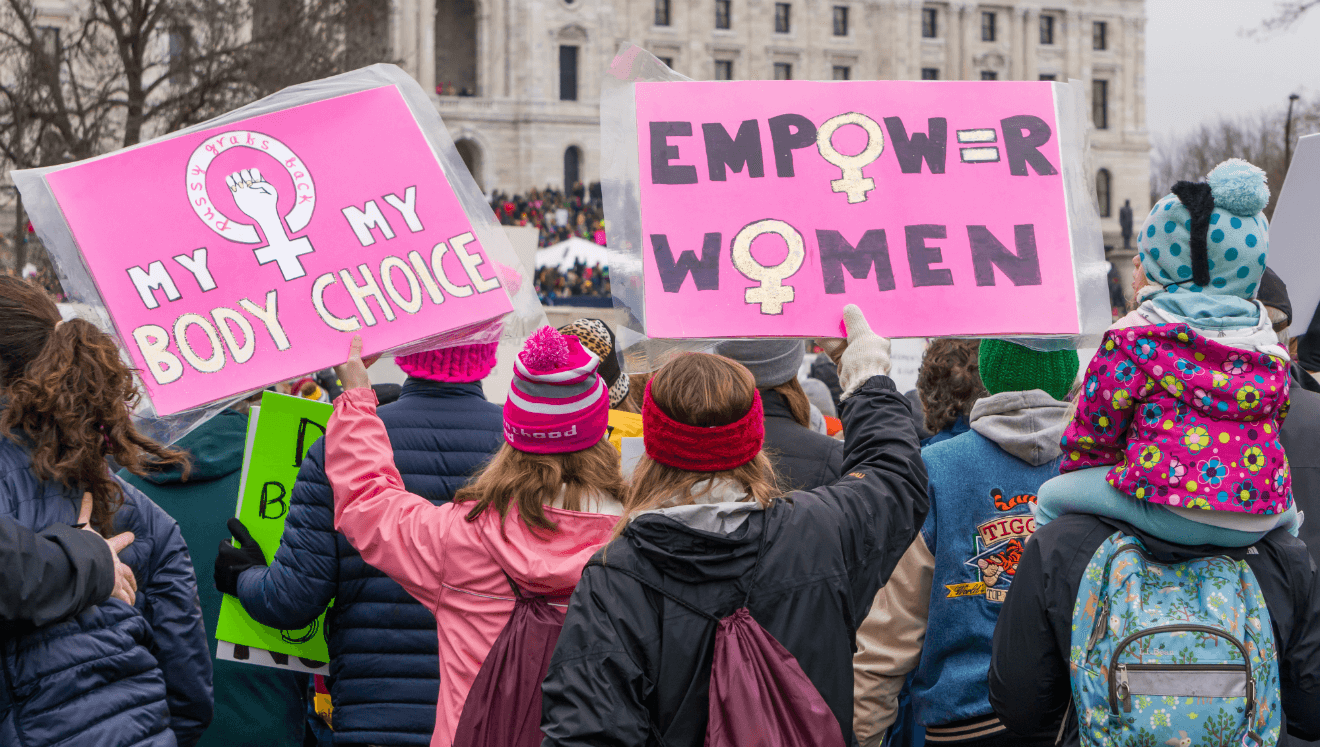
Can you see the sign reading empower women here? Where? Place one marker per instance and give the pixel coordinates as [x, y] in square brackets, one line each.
[232, 257]
[939, 208]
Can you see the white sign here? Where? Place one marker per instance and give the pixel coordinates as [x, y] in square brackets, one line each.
[1295, 233]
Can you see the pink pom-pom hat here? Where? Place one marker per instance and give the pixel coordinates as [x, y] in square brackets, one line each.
[557, 402]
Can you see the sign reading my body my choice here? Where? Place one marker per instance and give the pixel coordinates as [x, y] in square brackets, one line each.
[937, 207]
[245, 254]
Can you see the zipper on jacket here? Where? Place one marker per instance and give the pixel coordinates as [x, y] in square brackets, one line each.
[1119, 689]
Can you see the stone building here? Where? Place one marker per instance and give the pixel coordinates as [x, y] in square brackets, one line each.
[518, 81]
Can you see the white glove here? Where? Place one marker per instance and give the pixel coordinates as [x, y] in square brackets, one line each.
[867, 354]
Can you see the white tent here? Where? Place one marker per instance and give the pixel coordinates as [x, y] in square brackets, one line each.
[567, 253]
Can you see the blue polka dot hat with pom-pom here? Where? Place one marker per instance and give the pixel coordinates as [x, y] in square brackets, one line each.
[1210, 237]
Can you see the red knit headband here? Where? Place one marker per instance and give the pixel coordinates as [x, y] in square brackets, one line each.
[699, 449]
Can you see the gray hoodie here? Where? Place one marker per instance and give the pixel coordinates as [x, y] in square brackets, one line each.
[1027, 425]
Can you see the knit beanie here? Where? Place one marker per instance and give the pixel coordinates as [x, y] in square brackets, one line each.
[772, 362]
[597, 337]
[461, 363]
[557, 402]
[1009, 367]
[1209, 236]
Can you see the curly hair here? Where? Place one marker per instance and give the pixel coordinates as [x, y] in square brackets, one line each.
[949, 381]
[69, 398]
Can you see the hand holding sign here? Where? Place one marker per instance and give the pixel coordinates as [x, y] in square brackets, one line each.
[867, 354]
[353, 372]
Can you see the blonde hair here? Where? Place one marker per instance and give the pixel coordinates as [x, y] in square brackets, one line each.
[701, 390]
[532, 480]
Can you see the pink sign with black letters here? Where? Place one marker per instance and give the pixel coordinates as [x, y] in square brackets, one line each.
[766, 206]
[238, 256]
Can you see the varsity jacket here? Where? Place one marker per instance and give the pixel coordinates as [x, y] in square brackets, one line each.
[938, 612]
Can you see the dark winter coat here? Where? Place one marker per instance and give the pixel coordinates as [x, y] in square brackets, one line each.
[50, 576]
[254, 706]
[1300, 436]
[628, 657]
[115, 674]
[1029, 669]
[803, 458]
[383, 651]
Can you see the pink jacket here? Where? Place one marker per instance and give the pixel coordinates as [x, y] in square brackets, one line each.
[454, 567]
[1185, 420]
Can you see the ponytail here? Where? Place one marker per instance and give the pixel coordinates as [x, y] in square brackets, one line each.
[69, 398]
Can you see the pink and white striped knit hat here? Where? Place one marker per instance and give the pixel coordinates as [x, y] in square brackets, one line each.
[557, 402]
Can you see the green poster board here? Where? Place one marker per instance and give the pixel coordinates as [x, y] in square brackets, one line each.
[280, 432]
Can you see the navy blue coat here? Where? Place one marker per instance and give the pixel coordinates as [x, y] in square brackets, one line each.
[114, 674]
[384, 664]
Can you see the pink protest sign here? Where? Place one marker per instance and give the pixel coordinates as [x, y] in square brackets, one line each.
[241, 255]
[939, 208]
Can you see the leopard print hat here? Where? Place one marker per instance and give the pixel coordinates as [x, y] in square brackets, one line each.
[597, 337]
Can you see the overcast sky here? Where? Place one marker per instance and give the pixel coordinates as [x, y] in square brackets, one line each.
[1199, 67]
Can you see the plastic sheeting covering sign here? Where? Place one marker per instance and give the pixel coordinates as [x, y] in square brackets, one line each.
[280, 432]
[246, 253]
[763, 207]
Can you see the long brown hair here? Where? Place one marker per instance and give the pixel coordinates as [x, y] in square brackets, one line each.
[796, 399]
[532, 480]
[702, 390]
[69, 398]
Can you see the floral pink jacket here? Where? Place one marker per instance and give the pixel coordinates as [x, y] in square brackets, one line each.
[1184, 420]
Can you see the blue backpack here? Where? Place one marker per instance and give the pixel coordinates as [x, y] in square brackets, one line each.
[1172, 654]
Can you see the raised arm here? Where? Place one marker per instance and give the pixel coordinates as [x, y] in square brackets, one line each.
[880, 502]
[401, 534]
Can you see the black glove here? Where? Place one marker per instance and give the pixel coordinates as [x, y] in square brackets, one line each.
[232, 561]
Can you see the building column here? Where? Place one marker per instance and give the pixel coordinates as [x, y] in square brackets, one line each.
[1132, 54]
[425, 17]
[958, 52]
[1030, 22]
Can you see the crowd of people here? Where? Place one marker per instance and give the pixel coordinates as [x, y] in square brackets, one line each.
[1028, 549]
[558, 215]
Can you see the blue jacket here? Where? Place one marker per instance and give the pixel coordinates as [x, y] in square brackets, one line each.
[115, 674]
[937, 615]
[384, 664]
[980, 518]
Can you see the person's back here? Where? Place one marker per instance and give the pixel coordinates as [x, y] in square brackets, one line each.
[254, 706]
[803, 459]
[1030, 676]
[635, 659]
[531, 518]
[937, 615]
[115, 674]
[383, 643]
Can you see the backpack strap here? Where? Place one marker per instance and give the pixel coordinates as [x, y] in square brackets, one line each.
[517, 592]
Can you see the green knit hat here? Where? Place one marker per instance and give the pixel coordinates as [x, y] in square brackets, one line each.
[1009, 367]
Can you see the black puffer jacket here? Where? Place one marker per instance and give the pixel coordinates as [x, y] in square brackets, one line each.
[1029, 674]
[629, 657]
[804, 459]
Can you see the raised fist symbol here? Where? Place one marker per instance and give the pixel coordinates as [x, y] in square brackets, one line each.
[256, 198]
[259, 200]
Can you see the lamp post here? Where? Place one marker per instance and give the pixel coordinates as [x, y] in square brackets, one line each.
[1287, 133]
